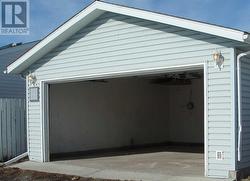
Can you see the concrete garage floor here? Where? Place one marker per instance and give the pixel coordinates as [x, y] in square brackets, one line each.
[156, 166]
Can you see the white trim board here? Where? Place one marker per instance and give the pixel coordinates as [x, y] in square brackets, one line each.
[44, 109]
[95, 10]
[234, 107]
[205, 72]
[136, 72]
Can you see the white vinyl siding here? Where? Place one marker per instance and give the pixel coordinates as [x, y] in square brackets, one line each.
[245, 111]
[34, 129]
[116, 43]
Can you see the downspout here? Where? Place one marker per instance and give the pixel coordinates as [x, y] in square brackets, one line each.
[16, 159]
[239, 101]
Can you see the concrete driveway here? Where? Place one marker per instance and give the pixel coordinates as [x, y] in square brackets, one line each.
[157, 166]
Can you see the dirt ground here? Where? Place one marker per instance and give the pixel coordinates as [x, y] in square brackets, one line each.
[16, 174]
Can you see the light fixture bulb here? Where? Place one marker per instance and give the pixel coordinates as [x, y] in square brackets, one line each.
[219, 59]
[216, 56]
[32, 79]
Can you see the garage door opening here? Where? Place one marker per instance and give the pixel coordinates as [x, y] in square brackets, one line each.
[159, 118]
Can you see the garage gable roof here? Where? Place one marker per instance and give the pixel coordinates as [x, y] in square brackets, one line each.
[97, 8]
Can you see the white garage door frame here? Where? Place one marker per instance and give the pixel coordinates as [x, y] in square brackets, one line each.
[44, 94]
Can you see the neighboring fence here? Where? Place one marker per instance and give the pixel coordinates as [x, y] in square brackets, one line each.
[12, 128]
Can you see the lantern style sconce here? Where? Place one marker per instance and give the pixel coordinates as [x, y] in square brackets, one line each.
[32, 79]
[219, 60]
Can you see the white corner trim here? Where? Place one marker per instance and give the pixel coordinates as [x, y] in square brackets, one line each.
[41, 102]
[27, 116]
[96, 9]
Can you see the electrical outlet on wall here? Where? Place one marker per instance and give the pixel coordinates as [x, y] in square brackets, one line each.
[219, 155]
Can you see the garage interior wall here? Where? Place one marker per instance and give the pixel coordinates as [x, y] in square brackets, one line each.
[120, 112]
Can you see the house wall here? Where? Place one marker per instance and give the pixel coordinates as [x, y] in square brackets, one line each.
[115, 43]
[245, 112]
[12, 86]
[110, 115]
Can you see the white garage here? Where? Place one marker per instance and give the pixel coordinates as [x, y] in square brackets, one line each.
[116, 77]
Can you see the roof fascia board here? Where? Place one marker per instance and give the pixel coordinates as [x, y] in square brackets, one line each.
[55, 38]
[174, 21]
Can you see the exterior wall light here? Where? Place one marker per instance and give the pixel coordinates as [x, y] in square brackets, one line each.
[32, 79]
[219, 60]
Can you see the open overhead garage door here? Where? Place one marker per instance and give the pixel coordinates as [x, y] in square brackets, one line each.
[127, 112]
